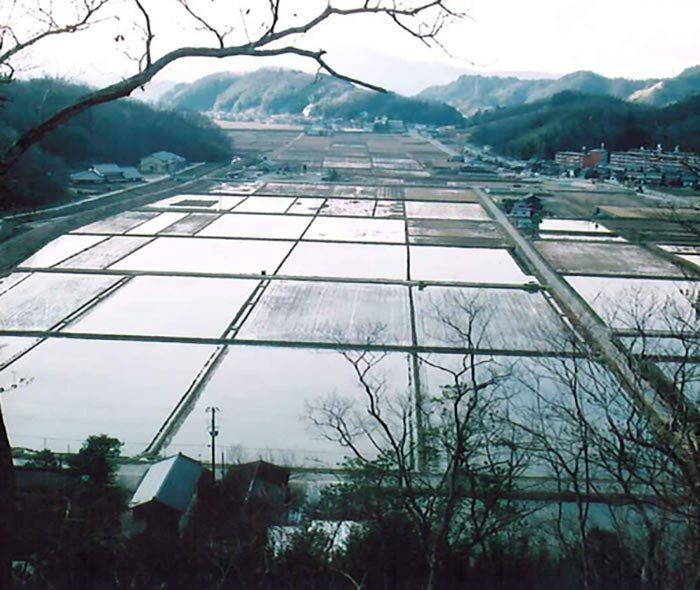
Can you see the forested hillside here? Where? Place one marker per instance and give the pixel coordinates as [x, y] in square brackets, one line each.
[122, 132]
[274, 91]
[571, 120]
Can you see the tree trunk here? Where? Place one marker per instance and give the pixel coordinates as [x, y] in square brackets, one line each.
[585, 562]
[431, 583]
[7, 506]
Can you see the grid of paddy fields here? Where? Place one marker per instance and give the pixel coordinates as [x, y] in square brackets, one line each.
[391, 156]
[242, 297]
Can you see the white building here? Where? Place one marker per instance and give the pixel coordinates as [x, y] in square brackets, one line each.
[161, 163]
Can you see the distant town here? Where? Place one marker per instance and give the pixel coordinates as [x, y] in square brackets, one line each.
[642, 166]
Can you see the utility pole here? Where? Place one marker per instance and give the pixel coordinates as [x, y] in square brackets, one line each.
[213, 433]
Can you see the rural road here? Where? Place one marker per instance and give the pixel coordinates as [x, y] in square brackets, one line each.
[583, 318]
[35, 229]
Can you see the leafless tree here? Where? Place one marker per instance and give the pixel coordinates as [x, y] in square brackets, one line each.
[252, 29]
[452, 458]
[598, 443]
[556, 419]
[567, 413]
[663, 342]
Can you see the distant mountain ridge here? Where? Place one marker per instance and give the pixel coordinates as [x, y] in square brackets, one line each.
[472, 93]
[269, 91]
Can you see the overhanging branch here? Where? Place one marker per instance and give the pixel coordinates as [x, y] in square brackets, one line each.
[262, 47]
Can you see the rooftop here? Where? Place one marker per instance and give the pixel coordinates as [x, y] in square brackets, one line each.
[107, 168]
[164, 156]
[171, 482]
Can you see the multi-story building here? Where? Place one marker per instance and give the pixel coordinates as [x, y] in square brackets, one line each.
[569, 160]
[631, 160]
[582, 159]
[644, 160]
[595, 157]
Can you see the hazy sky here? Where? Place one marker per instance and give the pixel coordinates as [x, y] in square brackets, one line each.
[630, 38]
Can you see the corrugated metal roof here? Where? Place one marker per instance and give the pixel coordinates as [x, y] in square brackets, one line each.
[86, 176]
[107, 168]
[171, 482]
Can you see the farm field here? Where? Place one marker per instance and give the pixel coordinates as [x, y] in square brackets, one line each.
[252, 296]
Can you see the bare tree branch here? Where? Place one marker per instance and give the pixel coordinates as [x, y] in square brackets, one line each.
[204, 23]
[52, 28]
[147, 56]
[462, 492]
[266, 45]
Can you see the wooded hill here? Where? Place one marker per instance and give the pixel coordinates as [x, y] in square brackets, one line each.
[122, 132]
[268, 92]
[570, 120]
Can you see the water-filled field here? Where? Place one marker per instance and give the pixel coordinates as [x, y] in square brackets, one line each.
[246, 296]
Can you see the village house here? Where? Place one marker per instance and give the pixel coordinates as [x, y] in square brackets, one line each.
[164, 500]
[520, 213]
[110, 172]
[85, 177]
[524, 212]
[106, 174]
[267, 166]
[161, 163]
[259, 481]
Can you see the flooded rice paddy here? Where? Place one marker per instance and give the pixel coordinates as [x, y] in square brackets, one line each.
[251, 298]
